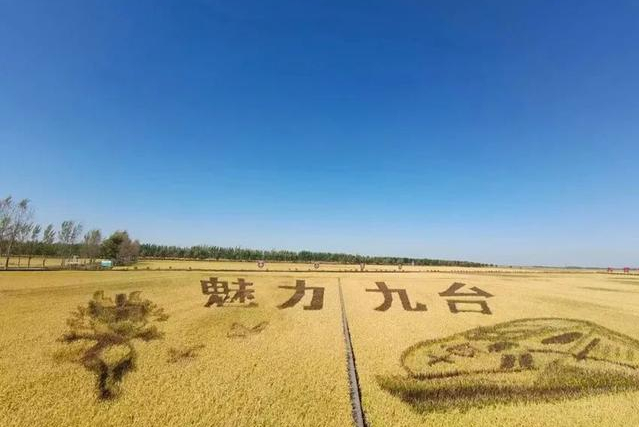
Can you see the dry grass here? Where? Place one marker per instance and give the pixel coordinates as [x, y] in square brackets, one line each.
[269, 367]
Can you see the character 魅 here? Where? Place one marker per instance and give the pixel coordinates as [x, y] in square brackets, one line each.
[522, 360]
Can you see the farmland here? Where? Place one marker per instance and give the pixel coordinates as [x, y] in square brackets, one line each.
[270, 360]
[319, 214]
[278, 266]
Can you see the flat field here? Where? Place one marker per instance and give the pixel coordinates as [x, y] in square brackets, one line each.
[281, 266]
[452, 348]
[163, 264]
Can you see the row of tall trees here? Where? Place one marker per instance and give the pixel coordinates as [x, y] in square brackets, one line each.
[243, 254]
[21, 236]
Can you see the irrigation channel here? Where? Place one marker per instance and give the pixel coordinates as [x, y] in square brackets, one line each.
[356, 399]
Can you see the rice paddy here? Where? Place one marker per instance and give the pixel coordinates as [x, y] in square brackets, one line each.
[255, 348]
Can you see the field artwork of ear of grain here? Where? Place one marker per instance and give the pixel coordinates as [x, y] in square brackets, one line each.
[273, 348]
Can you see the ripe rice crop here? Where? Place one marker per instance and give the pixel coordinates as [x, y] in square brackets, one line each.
[510, 348]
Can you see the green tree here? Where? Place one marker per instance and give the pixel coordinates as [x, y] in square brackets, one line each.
[48, 238]
[15, 223]
[92, 242]
[120, 248]
[33, 241]
[68, 235]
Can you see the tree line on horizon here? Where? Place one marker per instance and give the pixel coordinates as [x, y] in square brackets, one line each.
[203, 252]
[21, 236]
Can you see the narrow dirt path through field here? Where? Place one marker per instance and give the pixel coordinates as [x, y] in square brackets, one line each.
[356, 400]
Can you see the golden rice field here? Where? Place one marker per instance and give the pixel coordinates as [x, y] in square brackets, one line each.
[268, 266]
[516, 348]
[183, 264]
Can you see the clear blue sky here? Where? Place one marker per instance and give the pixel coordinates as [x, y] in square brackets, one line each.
[503, 132]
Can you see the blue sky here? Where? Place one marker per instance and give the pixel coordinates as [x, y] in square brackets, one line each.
[503, 132]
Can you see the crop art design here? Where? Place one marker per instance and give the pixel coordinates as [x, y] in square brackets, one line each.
[528, 359]
[221, 294]
[239, 330]
[105, 329]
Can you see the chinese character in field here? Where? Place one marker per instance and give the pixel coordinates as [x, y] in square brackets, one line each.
[455, 290]
[220, 292]
[388, 298]
[317, 300]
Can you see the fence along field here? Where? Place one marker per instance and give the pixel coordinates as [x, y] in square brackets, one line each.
[450, 348]
[204, 366]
